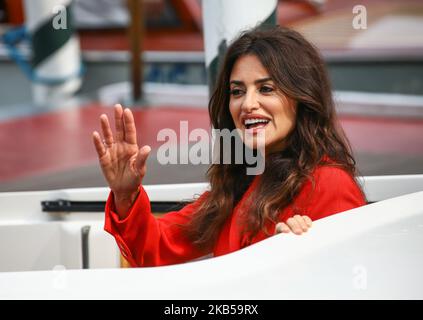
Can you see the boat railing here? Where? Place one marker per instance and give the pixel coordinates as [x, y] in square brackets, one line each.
[44, 229]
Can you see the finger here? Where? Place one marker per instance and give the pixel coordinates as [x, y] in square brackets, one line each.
[107, 131]
[294, 226]
[308, 221]
[129, 127]
[120, 134]
[140, 161]
[301, 222]
[99, 147]
[282, 228]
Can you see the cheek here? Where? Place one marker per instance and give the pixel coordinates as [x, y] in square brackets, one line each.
[285, 120]
[290, 124]
[234, 112]
[286, 123]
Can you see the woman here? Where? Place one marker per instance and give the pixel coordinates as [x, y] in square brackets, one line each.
[273, 83]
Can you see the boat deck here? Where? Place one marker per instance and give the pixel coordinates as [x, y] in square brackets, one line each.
[50, 150]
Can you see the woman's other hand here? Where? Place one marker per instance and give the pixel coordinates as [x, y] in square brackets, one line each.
[297, 224]
[123, 164]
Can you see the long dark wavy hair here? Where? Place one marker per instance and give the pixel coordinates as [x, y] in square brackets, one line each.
[299, 73]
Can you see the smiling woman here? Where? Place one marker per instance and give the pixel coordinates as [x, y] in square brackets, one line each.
[272, 84]
[256, 104]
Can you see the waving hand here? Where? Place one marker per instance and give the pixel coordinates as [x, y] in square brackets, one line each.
[122, 162]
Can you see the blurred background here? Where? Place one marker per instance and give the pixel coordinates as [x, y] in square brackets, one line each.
[149, 55]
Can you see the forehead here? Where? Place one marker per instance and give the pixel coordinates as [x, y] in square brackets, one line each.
[248, 67]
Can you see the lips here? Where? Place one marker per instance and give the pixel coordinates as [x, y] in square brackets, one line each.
[254, 122]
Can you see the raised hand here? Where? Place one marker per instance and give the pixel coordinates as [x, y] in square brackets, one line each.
[297, 224]
[122, 162]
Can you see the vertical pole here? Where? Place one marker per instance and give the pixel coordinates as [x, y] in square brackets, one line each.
[136, 34]
[85, 245]
[224, 20]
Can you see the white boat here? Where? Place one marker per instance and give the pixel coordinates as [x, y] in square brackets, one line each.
[371, 252]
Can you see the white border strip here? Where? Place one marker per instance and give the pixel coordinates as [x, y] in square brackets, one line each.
[378, 104]
[157, 94]
[386, 99]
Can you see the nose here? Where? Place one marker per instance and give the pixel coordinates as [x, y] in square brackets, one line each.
[250, 101]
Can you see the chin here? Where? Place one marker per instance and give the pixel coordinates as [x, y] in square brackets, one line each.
[255, 141]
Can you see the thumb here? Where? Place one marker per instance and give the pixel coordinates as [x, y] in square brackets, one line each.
[140, 161]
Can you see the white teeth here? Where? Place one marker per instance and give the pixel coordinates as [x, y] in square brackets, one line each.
[254, 121]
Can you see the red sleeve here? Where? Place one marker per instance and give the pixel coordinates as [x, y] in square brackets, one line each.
[148, 241]
[334, 191]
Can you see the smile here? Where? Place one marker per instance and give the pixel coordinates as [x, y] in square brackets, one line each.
[255, 123]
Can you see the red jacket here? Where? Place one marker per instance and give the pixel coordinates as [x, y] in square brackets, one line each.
[148, 241]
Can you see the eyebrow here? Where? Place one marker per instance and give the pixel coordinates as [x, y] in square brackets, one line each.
[238, 82]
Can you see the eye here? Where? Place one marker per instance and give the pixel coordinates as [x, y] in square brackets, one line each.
[235, 92]
[266, 89]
